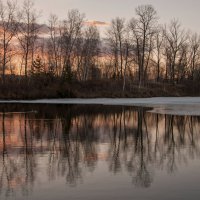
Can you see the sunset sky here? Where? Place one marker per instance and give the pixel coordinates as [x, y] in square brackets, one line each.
[104, 10]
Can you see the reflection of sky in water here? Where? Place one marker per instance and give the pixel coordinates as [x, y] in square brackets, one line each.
[92, 152]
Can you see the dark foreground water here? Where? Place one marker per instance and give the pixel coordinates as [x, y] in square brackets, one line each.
[51, 152]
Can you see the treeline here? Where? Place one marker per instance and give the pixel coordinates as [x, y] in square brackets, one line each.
[138, 50]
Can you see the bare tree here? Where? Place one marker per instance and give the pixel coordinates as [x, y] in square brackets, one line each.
[28, 33]
[116, 38]
[126, 56]
[120, 47]
[183, 62]
[8, 29]
[175, 37]
[144, 28]
[90, 51]
[194, 43]
[159, 40]
[54, 44]
[71, 31]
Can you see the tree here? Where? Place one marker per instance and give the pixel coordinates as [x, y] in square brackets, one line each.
[159, 40]
[90, 51]
[183, 62]
[71, 31]
[38, 67]
[116, 37]
[8, 29]
[126, 53]
[143, 28]
[194, 53]
[175, 38]
[54, 45]
[28, 33]
[120, 46]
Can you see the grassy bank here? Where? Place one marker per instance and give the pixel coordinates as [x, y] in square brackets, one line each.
[48, 88]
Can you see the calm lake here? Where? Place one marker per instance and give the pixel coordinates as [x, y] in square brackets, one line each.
[95, 152]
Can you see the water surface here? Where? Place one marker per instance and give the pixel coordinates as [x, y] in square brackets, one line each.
[87, 152]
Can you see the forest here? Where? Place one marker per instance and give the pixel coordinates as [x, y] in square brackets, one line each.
[138, 57]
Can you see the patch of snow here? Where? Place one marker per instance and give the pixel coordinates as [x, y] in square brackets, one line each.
[162, 105]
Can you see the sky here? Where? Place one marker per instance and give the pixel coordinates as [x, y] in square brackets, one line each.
[187, 11]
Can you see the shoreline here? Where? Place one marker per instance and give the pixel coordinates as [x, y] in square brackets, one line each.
[94, 89]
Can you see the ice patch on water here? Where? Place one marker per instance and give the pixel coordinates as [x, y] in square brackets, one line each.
[162, 105]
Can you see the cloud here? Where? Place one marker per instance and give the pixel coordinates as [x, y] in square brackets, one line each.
[96, 23]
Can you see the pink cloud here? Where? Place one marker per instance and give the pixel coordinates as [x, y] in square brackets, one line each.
[96, 23]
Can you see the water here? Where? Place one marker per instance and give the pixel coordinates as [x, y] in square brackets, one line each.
[82, 152]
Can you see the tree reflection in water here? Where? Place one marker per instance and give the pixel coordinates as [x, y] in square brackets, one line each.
[68, 141]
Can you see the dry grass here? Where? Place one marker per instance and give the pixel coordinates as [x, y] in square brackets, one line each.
[45, 87]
